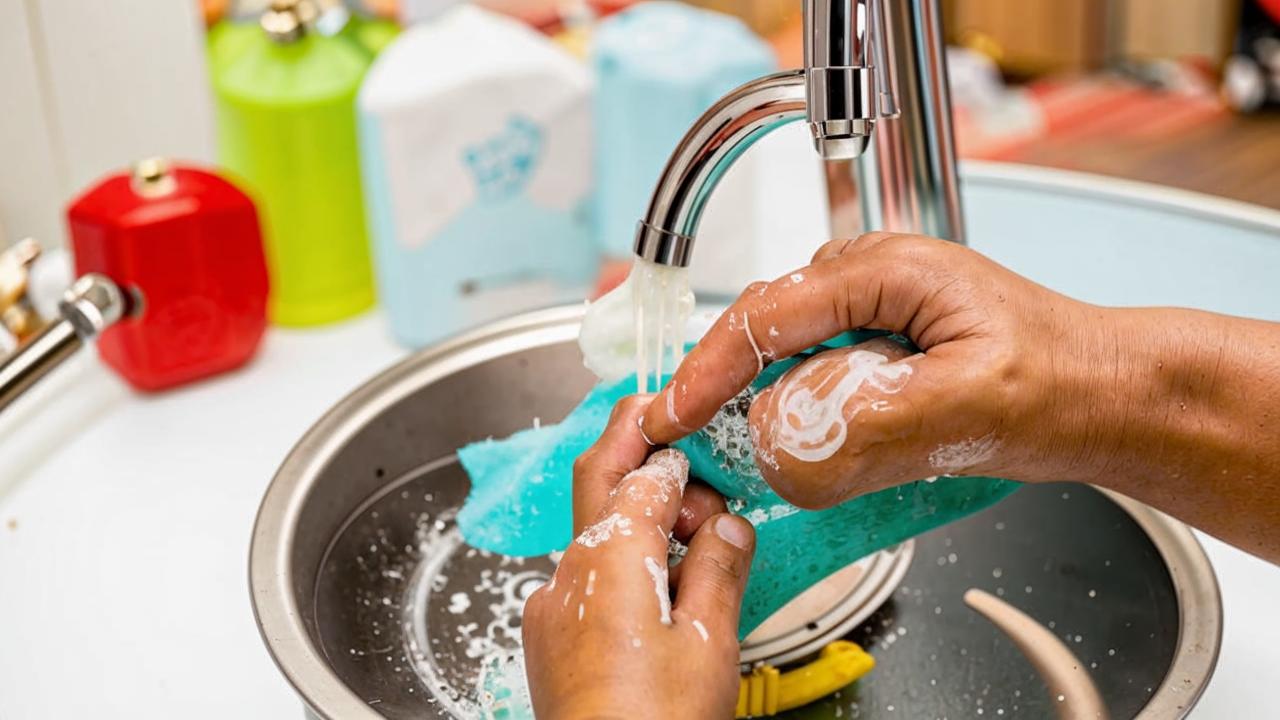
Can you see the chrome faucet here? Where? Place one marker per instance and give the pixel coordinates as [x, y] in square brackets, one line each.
[874, 92]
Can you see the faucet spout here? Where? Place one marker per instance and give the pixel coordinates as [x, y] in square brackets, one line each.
[873, 88]
[846, 73]
[708, 150]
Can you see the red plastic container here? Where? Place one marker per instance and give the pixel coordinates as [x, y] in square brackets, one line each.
[187, 246]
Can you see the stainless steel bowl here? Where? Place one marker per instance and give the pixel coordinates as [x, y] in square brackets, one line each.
[354, 561]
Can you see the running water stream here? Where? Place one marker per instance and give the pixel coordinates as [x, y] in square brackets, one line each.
[639, 327]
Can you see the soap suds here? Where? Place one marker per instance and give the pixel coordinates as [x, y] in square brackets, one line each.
[746, 328]
[811, 399]
[702, 630]
[459, 603]
[667, 472]
[964, 454]
[797, 278]
[591, 582]
[758, 516]
[603, 530]
[659, 575]
[640, 325]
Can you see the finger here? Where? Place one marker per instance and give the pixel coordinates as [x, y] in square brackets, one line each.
[842, 246]
[622, 557]
[869, 289]
[831, 249]
[620, 449]
[713, 576]
[642, 509]
[653, 493]
[700, 502]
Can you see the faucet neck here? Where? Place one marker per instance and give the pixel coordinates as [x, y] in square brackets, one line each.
[867, 68]
[706, 153]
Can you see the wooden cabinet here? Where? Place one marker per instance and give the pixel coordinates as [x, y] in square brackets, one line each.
[1032, 37]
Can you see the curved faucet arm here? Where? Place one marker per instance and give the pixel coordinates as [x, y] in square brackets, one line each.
[706, 152]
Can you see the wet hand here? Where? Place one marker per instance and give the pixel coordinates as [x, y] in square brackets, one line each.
[1002, 358]
[613, 634]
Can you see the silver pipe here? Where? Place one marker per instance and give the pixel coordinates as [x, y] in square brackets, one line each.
[91, 305]
[36, 359]
[907, 181]
[706, 153]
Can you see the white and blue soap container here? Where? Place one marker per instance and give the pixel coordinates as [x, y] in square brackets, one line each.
[475, 139]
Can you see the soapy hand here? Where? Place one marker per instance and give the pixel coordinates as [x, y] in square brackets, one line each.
[604, 638]
[858, 419]
[1170, 406]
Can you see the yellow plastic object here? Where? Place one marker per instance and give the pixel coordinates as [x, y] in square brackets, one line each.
[768, 692]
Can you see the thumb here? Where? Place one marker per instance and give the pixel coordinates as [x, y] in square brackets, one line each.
[713, 576]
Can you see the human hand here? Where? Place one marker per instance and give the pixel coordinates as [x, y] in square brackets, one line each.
[604, 638]
[1003, 361]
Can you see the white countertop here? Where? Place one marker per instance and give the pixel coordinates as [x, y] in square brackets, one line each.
[125, 524]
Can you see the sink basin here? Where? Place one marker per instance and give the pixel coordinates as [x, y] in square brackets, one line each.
[374, 606]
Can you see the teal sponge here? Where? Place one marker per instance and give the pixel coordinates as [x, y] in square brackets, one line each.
[522, 490]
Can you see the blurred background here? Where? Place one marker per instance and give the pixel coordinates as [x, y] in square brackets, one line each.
[310, 190]
[457, 161]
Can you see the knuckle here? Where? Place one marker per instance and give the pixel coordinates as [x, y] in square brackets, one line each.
[534, 605]
[832, 248]
[748, 300]
[919, 249]
[721, 568]
[625, 407]
[583, 463]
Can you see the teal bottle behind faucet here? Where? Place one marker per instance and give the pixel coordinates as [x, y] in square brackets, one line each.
[658, 66]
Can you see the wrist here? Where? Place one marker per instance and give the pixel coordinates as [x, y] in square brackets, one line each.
[1134, 395]
[1091, 388]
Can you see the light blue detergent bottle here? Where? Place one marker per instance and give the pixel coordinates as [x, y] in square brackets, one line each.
[658, 65]
[476, 158]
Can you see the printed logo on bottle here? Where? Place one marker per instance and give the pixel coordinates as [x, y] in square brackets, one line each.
[503, 164]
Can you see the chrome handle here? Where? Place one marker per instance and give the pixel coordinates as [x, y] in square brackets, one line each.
[92, 304]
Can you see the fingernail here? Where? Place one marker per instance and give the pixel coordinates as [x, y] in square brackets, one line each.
[733, 531]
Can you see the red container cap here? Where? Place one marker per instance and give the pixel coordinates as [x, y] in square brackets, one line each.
[187, 245]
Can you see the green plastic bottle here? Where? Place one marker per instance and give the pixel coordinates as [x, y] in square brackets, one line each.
[287, 130]
[372, 34]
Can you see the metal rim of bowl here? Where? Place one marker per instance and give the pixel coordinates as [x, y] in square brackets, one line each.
[270, 566]
[303, 664]
[1195, 585]
[884, 574]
